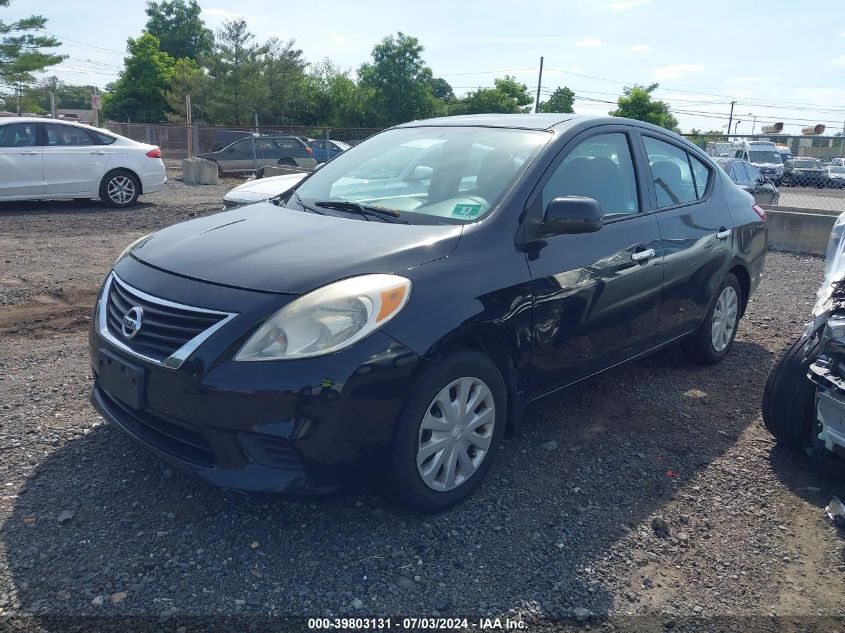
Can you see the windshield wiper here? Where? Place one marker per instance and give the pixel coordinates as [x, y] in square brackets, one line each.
[386, 215]
[278, 199]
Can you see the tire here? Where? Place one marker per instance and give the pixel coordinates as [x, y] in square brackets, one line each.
[220, 173]
[700, 346]
[789, 396]
[120, 189]
[405, 475]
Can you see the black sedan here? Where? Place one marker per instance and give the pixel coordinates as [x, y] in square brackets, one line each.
[748, 178]
[805, 172]
[399, 309]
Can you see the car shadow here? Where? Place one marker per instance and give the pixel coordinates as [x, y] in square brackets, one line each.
[586, 468]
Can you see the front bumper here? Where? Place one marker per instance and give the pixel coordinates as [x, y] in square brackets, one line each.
[296, 427]
[830, 405]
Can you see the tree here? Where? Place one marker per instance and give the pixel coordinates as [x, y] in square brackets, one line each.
[188, 79]
[282, 68]
[441, 89]
[179, 28]
[139, 93]
[36, 98]
[234, 69]
[337, 101]
[399, 80]
[20, 49]
[561, 100]
[506, 96]
[636, 103]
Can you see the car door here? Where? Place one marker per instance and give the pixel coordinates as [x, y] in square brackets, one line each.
[238, 156]
[696, 232]
[319, 148]
[596, 295]
[74, 161]
[21, 160]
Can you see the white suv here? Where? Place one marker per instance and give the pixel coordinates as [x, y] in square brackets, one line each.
[46, 159]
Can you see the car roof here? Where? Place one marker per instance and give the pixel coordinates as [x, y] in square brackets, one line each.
[43, 119]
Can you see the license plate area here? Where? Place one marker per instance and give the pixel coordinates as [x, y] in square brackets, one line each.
[120, 379]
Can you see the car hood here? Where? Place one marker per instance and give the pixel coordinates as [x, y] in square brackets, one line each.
[263, 188]
[272, 249]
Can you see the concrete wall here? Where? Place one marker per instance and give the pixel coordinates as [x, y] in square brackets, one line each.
[799, 232]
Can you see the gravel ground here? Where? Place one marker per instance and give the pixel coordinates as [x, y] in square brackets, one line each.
[93, 525]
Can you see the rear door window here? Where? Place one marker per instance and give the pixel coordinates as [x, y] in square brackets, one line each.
[66, 135]
[671, 172]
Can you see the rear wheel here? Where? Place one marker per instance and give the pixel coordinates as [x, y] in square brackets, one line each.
[789, 396]
[120, 189]
[220, 173]
[286, 162]
[449, 432]
[713, 340]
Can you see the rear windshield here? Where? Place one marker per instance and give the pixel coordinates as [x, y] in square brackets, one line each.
[764, 156]
[806, 164]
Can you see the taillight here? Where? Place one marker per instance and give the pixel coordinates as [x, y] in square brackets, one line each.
[760, 212]
[309, 151]
[154, 153]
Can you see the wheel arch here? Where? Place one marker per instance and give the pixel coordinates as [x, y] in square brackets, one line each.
[504, 357]
[127, 170]
[744, 278]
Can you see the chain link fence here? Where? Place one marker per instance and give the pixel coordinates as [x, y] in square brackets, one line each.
[802, 173]
[246, 149]
[805, 173]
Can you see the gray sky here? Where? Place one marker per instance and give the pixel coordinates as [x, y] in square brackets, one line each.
[704, 55]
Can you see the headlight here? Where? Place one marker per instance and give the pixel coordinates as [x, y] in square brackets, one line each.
[328, 319]
[132, 247]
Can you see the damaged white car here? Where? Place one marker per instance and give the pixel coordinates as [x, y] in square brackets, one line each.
[804, 397]
[260, 189]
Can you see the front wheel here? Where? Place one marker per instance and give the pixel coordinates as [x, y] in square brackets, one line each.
[449, 432]
[789, 396]
[713, 340]
[120, 189]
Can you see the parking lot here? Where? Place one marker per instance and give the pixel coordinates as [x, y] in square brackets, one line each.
[93, 525]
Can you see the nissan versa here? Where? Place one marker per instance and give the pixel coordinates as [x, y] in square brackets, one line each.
[397, 310]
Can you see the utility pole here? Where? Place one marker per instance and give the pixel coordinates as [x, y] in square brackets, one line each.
[539, 83]
[842, 143]
[731, 118]
[20, 90]
[190, 129]
[52, 105]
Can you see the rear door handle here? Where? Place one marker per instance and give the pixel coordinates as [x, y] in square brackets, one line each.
[724, 233]
[641, 256]
[99, 153]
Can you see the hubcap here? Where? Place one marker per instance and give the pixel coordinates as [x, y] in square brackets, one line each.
[455, 433]
[724, 319]
[121, 189]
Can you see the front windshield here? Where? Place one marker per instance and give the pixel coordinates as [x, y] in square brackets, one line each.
[424, 174]
[760, 156]
[807, 164]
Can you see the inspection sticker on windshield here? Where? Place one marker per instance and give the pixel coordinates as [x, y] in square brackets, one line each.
[466, 210]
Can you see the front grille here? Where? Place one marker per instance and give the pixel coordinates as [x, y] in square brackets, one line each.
[270, 451]
[165, 326]
[176, 438]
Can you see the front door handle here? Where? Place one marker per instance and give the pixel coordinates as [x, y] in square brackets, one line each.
[29, 153]
[641, 256]
[724, 233]
[99, 153]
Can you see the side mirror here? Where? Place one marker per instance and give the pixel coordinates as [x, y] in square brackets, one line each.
[421, 172]
[572, 215]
